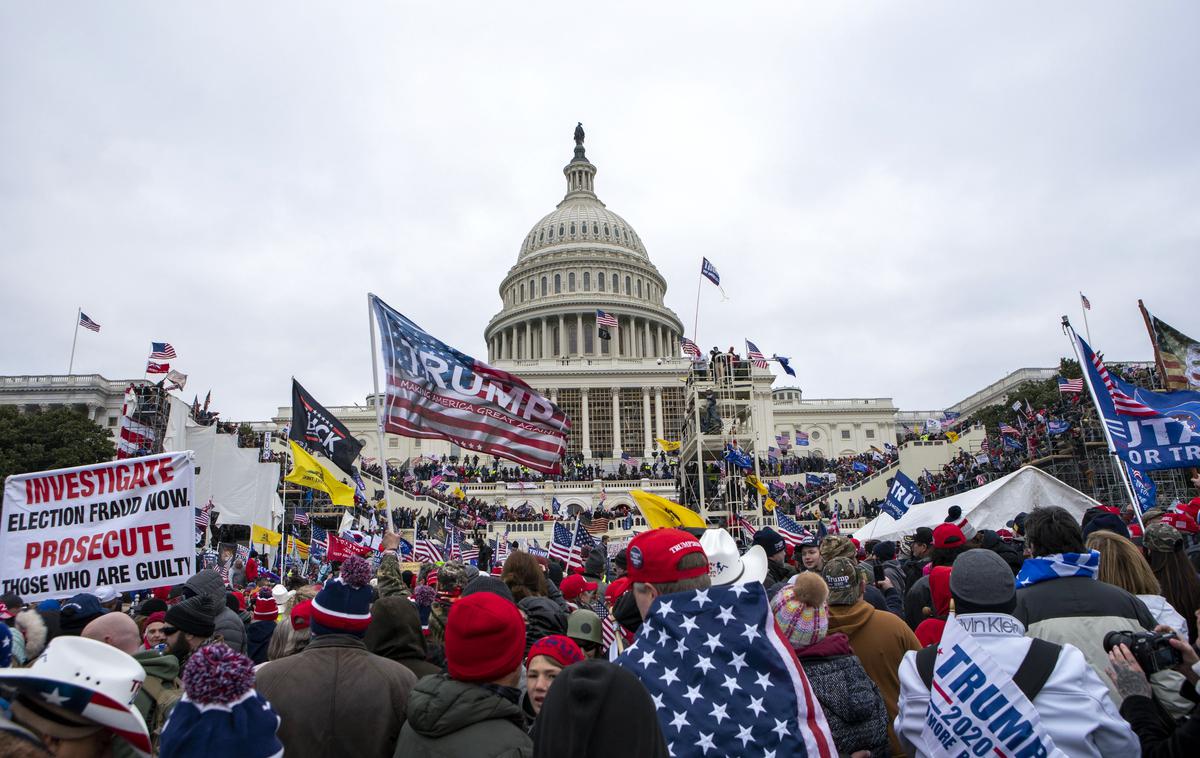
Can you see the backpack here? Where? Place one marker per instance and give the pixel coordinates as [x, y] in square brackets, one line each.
[1029, 677]
[164, 696]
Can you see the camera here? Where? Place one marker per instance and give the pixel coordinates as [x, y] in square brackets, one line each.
[1152, 650]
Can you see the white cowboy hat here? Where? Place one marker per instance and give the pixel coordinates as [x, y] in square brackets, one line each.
[281, 595]
[84, 682]
[726, 566]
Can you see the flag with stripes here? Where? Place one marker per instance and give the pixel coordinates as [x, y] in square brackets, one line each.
[835, 521]
[426, 550]
[1070, 386]
[582, 539]
[790, 529]
[301, 518]
[153, 367]
[319, 537]
[467, 551]
[1122, 402]
[608, 630]
[560, 545]
[605, 319]
[203, 515]
[1087, 304]
[437, 392]
[597, 525]
[87, 323]
[161, 351]
[1006, 429]
[747, 527]
[500, 553]
[630, 460]
[689, 347]
[755, 355]
[801, 438]
[986, 447]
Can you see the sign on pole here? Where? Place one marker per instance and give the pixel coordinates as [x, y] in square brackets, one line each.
[129, 524]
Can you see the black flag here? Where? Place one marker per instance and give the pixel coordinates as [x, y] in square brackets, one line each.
[603, 333]
[318, 429]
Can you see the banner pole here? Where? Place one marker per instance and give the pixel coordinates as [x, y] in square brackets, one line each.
[1122, 473]
[74, 339]
[1087, 329]
[387, 484]
[695, 322]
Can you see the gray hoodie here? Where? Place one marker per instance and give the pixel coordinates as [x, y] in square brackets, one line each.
[229, 624]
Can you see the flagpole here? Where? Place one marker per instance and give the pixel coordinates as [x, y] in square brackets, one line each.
[387, 485]
[1121, 470]
[1087, 329]
[1162, 369]
[74, 339]
[696, 321]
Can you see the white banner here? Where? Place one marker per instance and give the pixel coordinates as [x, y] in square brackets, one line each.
[129, 524]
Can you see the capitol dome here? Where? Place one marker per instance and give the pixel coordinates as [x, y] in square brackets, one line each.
[579, 259]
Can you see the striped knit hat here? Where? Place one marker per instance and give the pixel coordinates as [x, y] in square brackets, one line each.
[343, 606]
[801, 610]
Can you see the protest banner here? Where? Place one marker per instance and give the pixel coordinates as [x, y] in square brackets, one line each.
[128, 524]
[340, 549]
[903, 495]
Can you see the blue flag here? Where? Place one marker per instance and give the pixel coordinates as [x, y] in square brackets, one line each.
[1149, 430]
[710, 272]
[738, 457]
[1144, 487]
[903, 495]
[783, 364]
[1057, 427]
[814, 480]
[860, 467]
[406, 548]
[1012, 444]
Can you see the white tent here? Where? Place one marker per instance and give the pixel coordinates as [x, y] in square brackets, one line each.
[991, 506]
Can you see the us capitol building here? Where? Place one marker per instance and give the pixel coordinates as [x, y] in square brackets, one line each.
[620, 393]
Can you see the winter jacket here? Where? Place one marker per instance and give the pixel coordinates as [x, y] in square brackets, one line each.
[880, 640]
[929, 631]
[395, 633]
[543, 617]
[335, 698]
[895, 573]
[916, 600]
[258, 639]
[1164, 613]
[853, 706]
[1079, 610]
[156, 698]
[229, 625]
[448, 718]
[1072, 703]
[777, 572]
[914, 569]
[1157, 738]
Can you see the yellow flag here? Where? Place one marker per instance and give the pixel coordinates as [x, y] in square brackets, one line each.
[753, 481]
[667, 446]
[260, 535]
[458, 493]
[952, 436]
[301, 548]
[307, 472]
[661, 512]
[769, 504]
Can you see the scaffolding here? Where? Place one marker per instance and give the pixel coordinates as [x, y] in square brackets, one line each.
[144, 418]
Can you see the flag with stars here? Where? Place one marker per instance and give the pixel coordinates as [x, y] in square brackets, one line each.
[437, 392]
[723, 679]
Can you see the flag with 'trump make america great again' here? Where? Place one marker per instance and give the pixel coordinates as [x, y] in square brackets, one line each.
[437, 392]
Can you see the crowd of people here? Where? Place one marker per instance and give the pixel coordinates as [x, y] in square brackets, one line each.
[682, 643]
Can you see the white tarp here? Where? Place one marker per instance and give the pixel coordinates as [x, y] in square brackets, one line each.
[243, 489]
[991, 506]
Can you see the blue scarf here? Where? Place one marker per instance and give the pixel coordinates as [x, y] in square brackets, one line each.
[1048, 567]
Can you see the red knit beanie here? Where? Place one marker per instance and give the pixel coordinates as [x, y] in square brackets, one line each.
[485, 638]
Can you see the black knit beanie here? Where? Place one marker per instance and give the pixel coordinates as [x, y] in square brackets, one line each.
[194, 616]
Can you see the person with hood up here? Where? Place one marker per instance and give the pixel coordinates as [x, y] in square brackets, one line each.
[884, 554]
[880, 639]
[545, 661]
[262, 626]
[473, 709]
[853, 706]
[395, 633]
[227, 622]
[929, 631]
[579, 714]
[543, 618]
[345, 685]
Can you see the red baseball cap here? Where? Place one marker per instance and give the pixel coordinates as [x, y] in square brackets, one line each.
[948, 535]
[654, 556]
[574, 584]
[616, 589]
[1182, 522]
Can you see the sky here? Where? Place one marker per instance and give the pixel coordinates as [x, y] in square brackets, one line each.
[904, 198]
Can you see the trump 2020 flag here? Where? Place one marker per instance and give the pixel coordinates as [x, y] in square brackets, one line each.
[437, 392]
[903, 495]
[723, 679]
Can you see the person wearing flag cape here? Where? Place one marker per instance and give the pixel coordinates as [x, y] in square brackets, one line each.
[987, 689]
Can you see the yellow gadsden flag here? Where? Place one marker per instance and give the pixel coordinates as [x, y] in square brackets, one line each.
[666, 445]
[660, 512]
[754, 482]
[260, 535]
[307, 472]
[952, 436]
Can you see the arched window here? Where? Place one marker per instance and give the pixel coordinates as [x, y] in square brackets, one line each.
[628, 286]
[616, 287]
[572, 228]
[600, 280]
[542, 236]
[557, 283]
[560, 230]
[571, 282]
[543, 286]
[606, 230]
[531, 290]
[639, 287]
[522, 293]
[587, 281]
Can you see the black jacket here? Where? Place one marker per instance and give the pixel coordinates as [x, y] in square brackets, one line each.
[1160, 738]
[451, 718]
[395, 633]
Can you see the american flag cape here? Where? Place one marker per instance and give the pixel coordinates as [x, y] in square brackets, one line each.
[437, 392]
[723, 679]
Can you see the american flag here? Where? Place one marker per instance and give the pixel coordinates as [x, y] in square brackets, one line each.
[608, 628]
[161, 351]
[1122, 402]
[436, 480]
[629, 459]
[427, 551]
[203, 516]
[560, 547]
[1006, 429]
[437, 392]
[1087, 304]
[716, 655]
[319, 537]
[87, 323]
[986, 447]
[467, 550]
[689, 347]
[746, 526]
[801, 438]
[1070, 386]
[755, 355]
[301, 518]
[597, 525]
[835, 521]
[500, 554]
[789, 529]
[605, 319]
[157, 368]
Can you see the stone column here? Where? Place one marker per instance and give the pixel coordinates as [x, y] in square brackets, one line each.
[546, 352]
[503, 349]
[646, 421]
[587, 430]
[662, 342]
[616, 424]
[658, 413]
[529, 339]
[650, 352]
[562, 337]
[579, 333]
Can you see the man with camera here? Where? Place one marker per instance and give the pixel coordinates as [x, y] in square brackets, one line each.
[1159, 735]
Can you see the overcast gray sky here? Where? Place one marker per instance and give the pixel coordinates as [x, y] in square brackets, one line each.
[902, 197]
